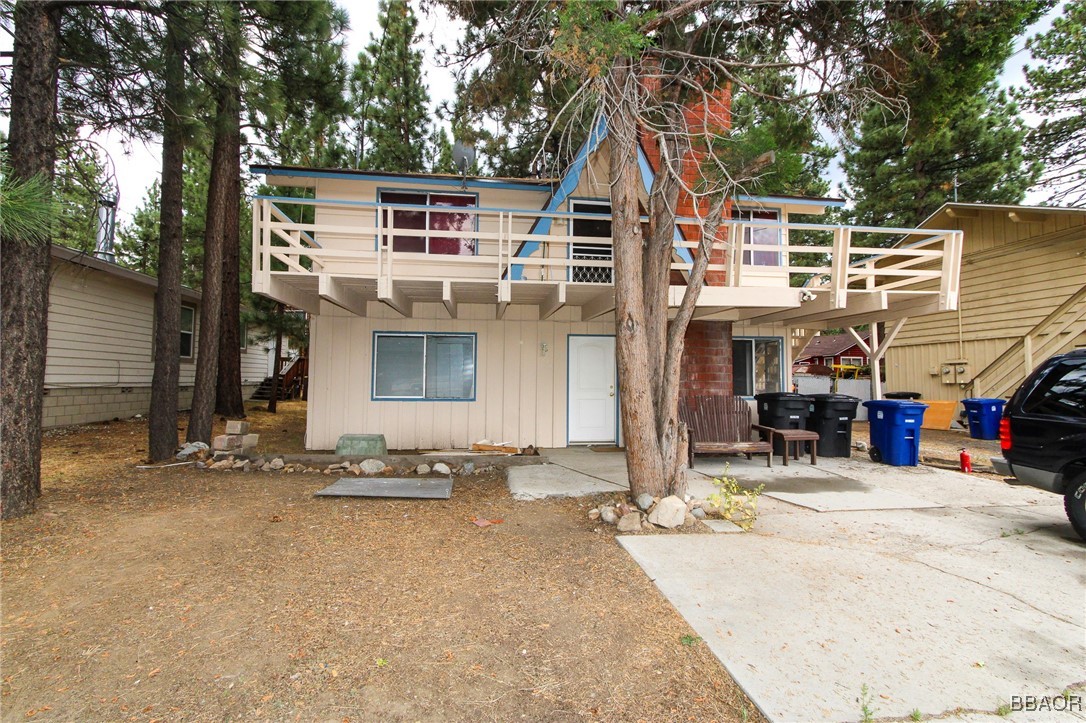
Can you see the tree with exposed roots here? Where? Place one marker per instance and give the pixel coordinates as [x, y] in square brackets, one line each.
[655, 73]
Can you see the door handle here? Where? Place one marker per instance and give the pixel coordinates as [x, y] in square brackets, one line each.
[612, 391]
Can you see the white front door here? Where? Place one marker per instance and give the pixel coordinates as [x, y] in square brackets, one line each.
[592, 389]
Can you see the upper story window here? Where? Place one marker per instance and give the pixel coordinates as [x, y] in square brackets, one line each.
[431, 220]
[767, 235]
[188, 331]
[592, 227]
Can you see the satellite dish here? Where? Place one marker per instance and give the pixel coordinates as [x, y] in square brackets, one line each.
[463, 156]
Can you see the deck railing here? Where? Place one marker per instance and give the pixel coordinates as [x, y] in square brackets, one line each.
[503, 246]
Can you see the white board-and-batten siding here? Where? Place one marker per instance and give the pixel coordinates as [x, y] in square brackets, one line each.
[520, 388]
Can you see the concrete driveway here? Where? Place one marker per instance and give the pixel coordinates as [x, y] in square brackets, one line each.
[940, 592]
[937, 592]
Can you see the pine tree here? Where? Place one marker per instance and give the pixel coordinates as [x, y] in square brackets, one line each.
[389, 93]
[961, 137]
[1057, 92]
[975, 154]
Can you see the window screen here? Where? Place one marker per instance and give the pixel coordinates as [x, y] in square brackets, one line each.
[424, 366]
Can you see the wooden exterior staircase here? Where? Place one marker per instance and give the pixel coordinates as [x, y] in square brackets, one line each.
[291, 381]
[1056, 333]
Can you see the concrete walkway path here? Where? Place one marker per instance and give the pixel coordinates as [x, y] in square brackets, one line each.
[940, 592]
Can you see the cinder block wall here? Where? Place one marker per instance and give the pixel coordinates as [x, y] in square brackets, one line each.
[82, 405]
[707, 360]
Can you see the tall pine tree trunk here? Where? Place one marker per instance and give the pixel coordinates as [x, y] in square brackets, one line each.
[228, 398]
[24, 263]
[162, 431]
[220, 201]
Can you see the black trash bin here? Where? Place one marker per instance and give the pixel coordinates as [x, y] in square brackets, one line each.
[902, 395]
[782, 410]
[831, 416]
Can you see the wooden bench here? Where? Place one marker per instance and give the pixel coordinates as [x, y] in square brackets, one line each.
[722, 425]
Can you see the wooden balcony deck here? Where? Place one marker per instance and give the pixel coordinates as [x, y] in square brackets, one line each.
[805, 273]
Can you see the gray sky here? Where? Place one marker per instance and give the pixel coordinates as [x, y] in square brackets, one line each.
[138, 165]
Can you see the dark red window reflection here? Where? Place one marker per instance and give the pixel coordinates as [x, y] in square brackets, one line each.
[421, 219]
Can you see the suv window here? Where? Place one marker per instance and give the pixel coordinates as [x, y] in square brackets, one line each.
[1061, 393]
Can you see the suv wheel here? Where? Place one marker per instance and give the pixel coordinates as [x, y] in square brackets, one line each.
[1075, 504]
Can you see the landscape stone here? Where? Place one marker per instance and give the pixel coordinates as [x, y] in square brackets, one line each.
[645, 500]
[237, 426]
[630, 522]
[277, 463]
[222, 464]
[240, 463]
[668, 512]
[372, 466]
[359, 445]
[698, 513]
[354, 469]
[593, 514]
[468, 468]
[249, 441]
[257, 461]
[608, 515]
[422, 469]
[442, 468]
[689, 520]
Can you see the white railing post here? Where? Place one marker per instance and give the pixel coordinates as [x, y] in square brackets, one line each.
[265, 243]
[842, 236]
[380, 241]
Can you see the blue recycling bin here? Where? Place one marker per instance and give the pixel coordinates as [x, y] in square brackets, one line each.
[984, 416]
[895, 431]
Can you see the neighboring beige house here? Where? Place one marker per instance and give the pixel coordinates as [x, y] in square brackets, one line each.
[446, 310]
[1023, 299]
[99, 362]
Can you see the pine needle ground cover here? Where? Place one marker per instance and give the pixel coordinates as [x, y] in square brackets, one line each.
[184, 594]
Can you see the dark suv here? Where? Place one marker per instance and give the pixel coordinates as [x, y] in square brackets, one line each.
[1043, 433]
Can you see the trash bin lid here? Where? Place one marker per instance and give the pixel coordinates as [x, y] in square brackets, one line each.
[894, 404]
[834, 398]
[983, 400]
[903, 395]
[770, 396]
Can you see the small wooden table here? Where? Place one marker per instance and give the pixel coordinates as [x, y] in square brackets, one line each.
[796, 436]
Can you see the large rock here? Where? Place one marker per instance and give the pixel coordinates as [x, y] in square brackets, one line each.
[645, 500]
[668, 512]
[630, 522]
[442, 468]
[191, 451]
[422, 469]
[372, 466]
[277, 463]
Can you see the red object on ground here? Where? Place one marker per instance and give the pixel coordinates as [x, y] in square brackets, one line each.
[966, 461]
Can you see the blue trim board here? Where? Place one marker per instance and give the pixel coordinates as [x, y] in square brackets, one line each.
[570, 181]
[618, 395]
[386, 332]
[388, 178]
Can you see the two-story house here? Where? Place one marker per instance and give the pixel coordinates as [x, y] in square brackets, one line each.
[446, 310]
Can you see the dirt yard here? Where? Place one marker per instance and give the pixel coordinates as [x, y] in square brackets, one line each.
[183, 594]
